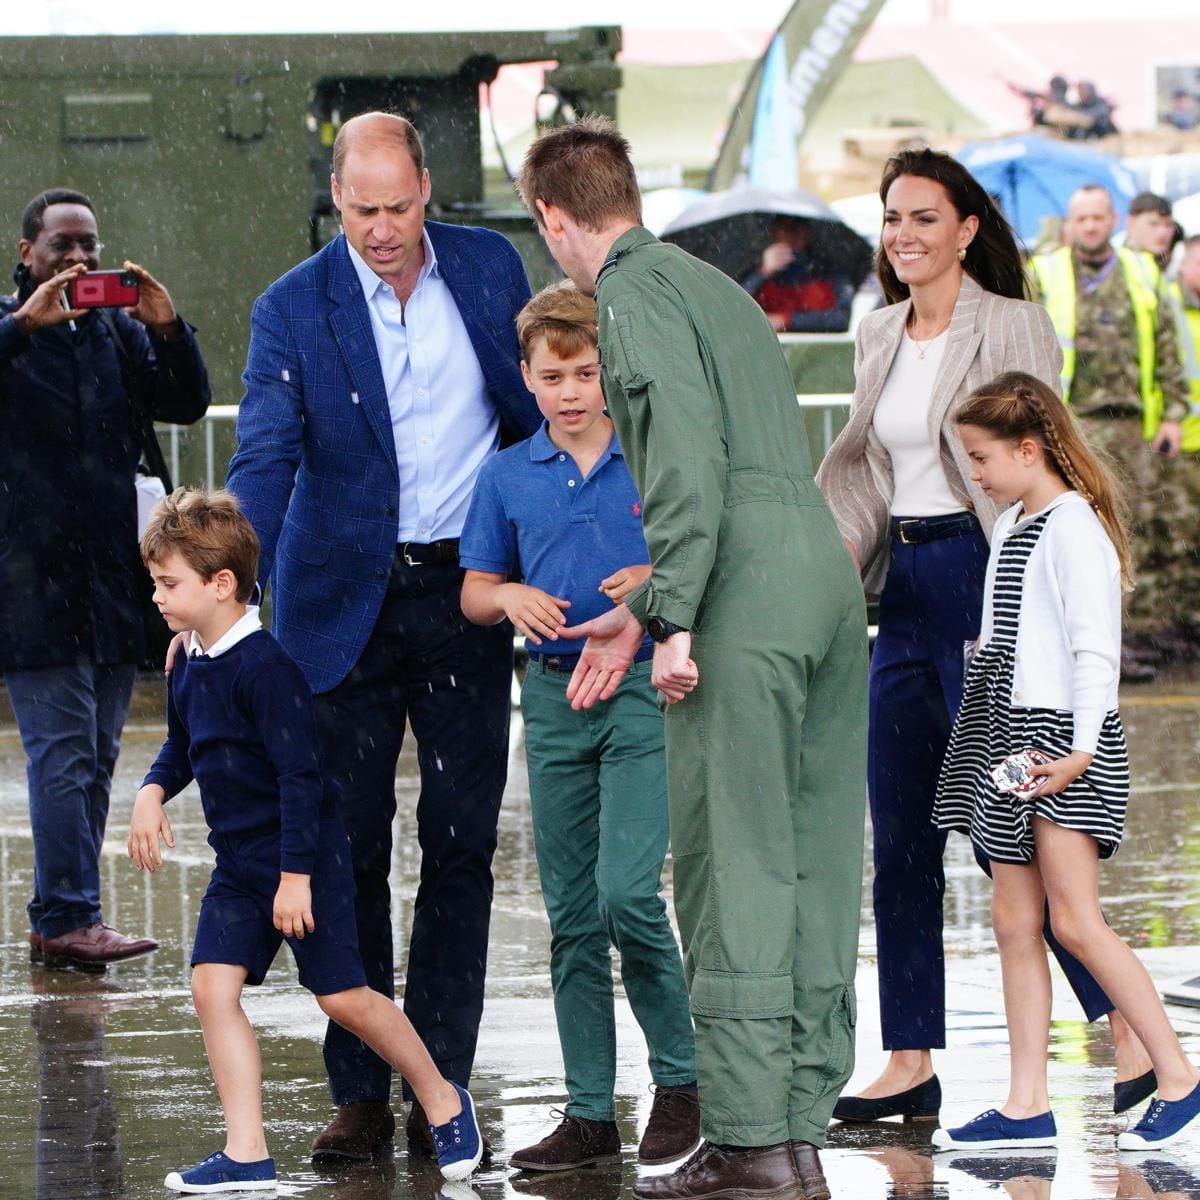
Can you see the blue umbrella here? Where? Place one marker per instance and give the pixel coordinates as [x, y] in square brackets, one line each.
[1032, 177]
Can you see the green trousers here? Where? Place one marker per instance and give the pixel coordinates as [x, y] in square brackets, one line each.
[597, 785]
[767, 789]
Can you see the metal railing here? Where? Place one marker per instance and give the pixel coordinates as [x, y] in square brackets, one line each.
[828, 404]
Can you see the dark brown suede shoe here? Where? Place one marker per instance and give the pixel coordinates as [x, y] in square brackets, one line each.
[420, 1140]
[807, 1163]
[93, 947]
[357, 1133]
[674, 1126]
[577, 1142]
[727, 1173]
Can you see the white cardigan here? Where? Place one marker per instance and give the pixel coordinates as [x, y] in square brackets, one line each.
[1068, 652]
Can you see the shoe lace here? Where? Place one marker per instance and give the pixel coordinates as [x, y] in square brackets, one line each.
[666, 1098]
[586, 1132]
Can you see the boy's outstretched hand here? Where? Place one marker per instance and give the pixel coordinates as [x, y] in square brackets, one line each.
[148, 824]
[293, 905]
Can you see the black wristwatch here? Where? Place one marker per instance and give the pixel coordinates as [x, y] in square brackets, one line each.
[660, 630]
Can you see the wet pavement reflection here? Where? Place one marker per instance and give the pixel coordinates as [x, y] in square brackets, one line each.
[105, 1087]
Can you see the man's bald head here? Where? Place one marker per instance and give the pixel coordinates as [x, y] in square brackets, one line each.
[372, 132]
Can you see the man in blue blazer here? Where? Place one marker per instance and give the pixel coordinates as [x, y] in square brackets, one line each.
[382, 373]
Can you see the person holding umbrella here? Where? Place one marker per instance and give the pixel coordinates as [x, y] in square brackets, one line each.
[899, 483]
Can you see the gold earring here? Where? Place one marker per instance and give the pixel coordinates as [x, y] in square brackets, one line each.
[962, 253]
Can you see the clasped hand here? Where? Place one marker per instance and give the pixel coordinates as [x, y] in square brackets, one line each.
[1058, 773]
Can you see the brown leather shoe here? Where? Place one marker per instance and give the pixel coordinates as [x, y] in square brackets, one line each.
[577, 1142]
[357, 1133]
[93, 947]
[420, 1140]
[807, 1163]
[674, 1126]
[727, 1173]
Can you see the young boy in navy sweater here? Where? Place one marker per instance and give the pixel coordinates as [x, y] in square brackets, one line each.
[240, 722]
[562, 508]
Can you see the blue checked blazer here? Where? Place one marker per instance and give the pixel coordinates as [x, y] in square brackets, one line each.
[315, 469]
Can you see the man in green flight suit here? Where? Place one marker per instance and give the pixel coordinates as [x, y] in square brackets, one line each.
[758, 614]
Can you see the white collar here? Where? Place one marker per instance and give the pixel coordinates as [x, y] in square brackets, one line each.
[371, 283]
[1023, 521]
[243, 627]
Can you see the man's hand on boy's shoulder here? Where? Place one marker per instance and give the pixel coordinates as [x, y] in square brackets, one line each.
[148, 823]
[293, 905]
[620, 583]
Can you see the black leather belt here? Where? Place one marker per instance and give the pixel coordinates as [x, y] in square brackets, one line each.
[912, 531]
[568, 662]
[425, 554]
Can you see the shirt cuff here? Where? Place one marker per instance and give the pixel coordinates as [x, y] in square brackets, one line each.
[646, 602]
[1087, 732]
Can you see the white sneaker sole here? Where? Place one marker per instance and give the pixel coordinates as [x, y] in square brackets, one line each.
[458, 1171]
[946, 1142]
[175, 1182]
[1133, 1141]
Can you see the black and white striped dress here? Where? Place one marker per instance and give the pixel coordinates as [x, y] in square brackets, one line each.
[989, 728]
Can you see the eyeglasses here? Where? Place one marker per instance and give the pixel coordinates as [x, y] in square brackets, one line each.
[61, 245]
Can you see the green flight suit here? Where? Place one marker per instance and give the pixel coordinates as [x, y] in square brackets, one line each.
[766, 760]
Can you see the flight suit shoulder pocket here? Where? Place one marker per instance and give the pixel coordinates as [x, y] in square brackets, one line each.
[625, 363]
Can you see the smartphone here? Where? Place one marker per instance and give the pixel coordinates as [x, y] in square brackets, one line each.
[1013, 773]
[103, 289]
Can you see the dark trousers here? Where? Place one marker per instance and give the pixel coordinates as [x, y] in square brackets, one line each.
[931, 605]
[70, 718]
[450, 680]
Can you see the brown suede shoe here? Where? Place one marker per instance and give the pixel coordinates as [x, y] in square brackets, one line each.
[577, 1142]
[807, 1163]
[727, 1173]
[357, 1133]
[674, 1126]
[420, 1140]
[93, 947]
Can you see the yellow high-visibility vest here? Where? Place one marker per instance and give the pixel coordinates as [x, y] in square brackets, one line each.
[1056, 277]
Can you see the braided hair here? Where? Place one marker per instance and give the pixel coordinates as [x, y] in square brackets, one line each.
[1015, 406]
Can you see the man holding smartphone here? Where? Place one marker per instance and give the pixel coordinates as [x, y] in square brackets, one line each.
[71, 578]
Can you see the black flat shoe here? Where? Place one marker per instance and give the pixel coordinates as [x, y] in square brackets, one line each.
[1133, 1091]
[920, 1103]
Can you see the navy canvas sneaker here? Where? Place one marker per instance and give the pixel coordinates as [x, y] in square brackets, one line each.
[992, 1130]
[458, 1143]
[1164, 1122]
[219, 1173]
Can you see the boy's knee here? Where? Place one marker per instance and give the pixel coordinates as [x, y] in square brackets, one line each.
[342, 1006]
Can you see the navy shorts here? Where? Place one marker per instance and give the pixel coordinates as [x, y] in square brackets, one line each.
[236, 924]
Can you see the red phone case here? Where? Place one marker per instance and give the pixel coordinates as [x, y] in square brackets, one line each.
[103, 289]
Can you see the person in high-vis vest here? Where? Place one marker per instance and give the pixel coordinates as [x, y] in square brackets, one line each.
[1123, 377]
[1184, 296]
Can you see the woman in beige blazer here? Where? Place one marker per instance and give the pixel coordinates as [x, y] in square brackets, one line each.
[899, 483]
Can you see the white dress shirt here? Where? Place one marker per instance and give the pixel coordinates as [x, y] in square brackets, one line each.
[243, 627]
[444, 425]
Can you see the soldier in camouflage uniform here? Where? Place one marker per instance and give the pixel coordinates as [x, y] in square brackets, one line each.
[1123, 378]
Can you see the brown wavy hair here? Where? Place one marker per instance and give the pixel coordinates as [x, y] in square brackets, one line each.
[1015, 406]
[993, 259]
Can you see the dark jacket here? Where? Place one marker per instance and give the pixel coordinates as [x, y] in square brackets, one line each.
[71, 578]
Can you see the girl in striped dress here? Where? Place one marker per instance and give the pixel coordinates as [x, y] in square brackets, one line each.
[1044, 678]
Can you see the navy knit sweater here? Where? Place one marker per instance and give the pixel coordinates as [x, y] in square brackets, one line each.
[242, 725]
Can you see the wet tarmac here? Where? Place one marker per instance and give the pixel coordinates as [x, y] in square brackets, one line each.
[104, 1086]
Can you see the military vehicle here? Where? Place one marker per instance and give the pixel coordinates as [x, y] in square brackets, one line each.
[208, 158]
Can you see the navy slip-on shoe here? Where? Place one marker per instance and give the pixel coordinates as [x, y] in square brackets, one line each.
[1164, 1122]
[920, 1103]
[992, 1130]
[458, 1143]
[219, 1173]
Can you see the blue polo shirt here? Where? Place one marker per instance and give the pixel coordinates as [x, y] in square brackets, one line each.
[532, 508]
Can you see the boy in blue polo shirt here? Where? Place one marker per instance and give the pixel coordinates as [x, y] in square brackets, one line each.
[561, 511]
[240, 722]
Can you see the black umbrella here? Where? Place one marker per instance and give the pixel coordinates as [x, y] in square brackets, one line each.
[730, 229]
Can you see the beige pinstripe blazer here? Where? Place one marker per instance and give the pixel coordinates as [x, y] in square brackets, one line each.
[988, 334]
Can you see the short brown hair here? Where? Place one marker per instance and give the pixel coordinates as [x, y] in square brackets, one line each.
[376, 131]
[1146, 202]
[208, 531]
[561, 314]
[586, 169]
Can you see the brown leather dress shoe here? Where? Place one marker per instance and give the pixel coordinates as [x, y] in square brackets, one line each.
[674, 1126]
[93, 947]
[728, 1173]
[357, 1133]
[807, 1163]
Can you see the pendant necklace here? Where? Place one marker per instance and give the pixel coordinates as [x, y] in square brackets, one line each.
[923, 346]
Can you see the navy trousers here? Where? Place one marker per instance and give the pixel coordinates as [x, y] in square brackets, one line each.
[931, 604]
[426, 665]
